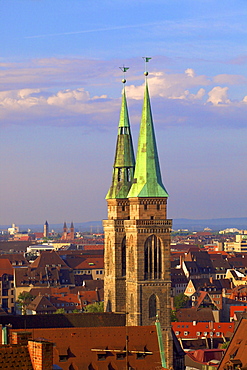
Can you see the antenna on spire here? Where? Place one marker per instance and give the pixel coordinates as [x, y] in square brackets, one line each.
[146, 60]
[124, 70]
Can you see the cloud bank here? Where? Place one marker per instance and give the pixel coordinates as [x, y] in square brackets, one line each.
[179, 98]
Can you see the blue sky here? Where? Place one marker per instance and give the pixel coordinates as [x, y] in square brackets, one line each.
[60, 94]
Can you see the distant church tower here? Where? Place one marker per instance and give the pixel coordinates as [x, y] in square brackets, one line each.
[46, 230]
[64, 237]
[72, 231]
[137, 232]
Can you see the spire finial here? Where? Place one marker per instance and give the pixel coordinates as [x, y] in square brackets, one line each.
[146, 60]
[124, 70]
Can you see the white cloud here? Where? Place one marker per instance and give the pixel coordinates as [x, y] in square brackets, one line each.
[43, 101]
[218, 95]
[68, 97]
[172, 86]
[190, 72]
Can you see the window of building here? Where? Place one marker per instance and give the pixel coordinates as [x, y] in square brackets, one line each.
[153, 266]
[121, 356]
[140, 356]
[152, 306]
[119, 174]
[101, 356]
[63, 358]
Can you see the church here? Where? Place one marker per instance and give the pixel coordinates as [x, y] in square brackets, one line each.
[137, 231]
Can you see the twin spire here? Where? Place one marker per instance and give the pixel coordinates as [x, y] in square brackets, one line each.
[142, 179]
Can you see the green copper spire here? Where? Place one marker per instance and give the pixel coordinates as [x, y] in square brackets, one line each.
[124, 164]
[147, 178]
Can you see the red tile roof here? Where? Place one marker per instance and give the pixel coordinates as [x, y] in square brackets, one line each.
[5, 267]
[84, 348]
[199, 329]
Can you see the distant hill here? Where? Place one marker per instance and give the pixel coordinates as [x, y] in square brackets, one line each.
[179, 223]
[214, 223]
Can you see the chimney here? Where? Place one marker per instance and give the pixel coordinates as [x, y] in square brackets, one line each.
[5, 333]
[41, 354]
[20, 337]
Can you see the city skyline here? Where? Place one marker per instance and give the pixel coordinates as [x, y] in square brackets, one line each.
[60, 100]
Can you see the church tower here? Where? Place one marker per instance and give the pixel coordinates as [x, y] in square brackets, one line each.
[46, 230]
[137, 236]
[118, 211]
[65, 231]
[72, 231]
[148, 281]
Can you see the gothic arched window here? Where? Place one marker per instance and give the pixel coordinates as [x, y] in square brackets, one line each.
[153, 263]
[152, 309]
[123, 252]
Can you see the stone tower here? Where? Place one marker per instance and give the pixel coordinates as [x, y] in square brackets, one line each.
[46, 230]
[118, 211]
[72, 231]
[65, 231]
[137, 238]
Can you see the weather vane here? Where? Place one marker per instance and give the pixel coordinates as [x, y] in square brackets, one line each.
[124, 70]
[146, 60]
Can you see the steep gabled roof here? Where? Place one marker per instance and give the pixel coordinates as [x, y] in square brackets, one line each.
[48, 258]
[5, 267]
[237, 349]
[41, 304]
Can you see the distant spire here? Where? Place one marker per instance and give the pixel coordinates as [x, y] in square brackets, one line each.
[147, 178]
[124, 163]
[46, 230]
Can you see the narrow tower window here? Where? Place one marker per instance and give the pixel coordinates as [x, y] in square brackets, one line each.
[152, 261]
[152, 306]
[128, 174]
[119, 174]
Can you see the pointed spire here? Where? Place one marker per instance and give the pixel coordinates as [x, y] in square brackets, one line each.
[147, 178]
[123, 168]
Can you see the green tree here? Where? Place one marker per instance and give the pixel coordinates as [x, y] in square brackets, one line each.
[173, 316]
[225, 345]
[60, 310]
[24, 299]
[180, 301]
[95, 307]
